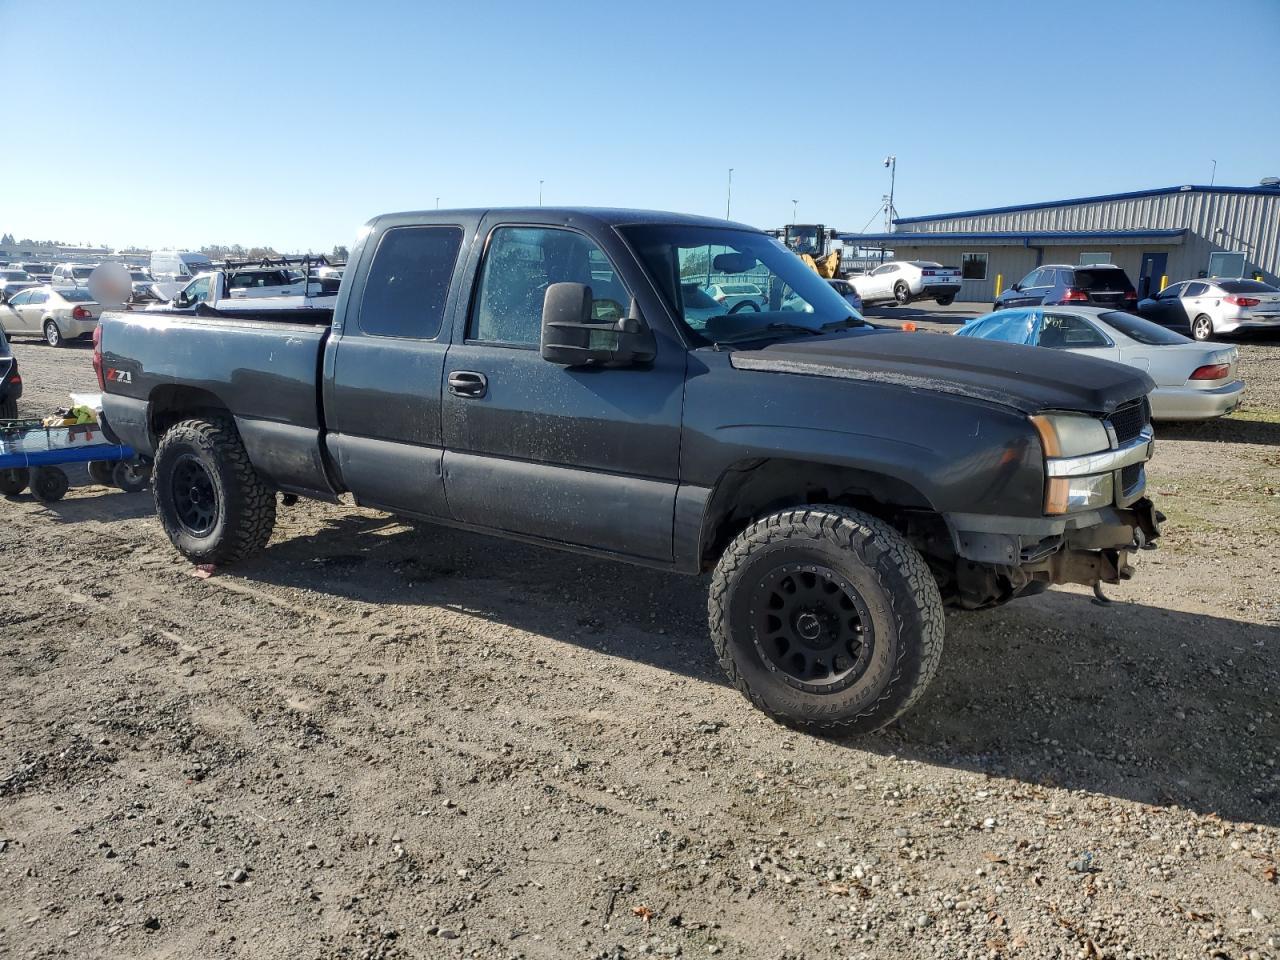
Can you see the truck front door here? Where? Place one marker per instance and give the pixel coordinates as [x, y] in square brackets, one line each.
[383, 367]
[585, 456]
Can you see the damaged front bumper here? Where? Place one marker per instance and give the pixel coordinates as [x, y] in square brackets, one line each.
[1000, 558]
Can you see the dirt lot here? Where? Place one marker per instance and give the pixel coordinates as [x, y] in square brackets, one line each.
[378, 740]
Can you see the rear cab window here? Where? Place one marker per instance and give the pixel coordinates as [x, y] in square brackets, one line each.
[408, 283]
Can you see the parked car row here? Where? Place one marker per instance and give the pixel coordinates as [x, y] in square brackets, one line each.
[57, 314]
[1193, 381]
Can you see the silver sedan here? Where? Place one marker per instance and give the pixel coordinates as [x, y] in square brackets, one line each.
[1194, 381]
[1213, 306]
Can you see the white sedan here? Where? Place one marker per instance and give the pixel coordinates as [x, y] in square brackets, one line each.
[58, 314]
[1194, 381]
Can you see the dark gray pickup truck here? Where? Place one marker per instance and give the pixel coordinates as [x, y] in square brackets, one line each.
[559, 376]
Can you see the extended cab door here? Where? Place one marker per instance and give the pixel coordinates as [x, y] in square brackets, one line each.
[578, 455]
[384, 362]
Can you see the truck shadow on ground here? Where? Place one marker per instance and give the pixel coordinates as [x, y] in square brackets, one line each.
[1150, 705]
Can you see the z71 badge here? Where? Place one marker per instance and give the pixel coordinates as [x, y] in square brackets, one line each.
[119, 376]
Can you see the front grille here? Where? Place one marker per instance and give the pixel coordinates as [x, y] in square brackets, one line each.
[1128, 421]
[1130, 476]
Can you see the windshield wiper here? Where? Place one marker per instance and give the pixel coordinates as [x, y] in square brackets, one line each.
[760, 333]
[844, 324]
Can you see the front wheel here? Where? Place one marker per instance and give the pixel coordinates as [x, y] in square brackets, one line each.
[902, 294]
[14, 481]
[52, 335]
[826, 619]
[1202, 328]
[212, 503]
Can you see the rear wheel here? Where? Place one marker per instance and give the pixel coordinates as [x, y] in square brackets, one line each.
[52, 335]
[826, 619]
[13, 482]
[1202, 328]
[131, 476]
[8, 409]
[946, 301]
[902, 293]
[744, 305]
[212, 503]
[100, 471]
[49, 484]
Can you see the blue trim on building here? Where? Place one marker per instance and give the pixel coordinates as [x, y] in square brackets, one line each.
[923, 238]
[1161, 191]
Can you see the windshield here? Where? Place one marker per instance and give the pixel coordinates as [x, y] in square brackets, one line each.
[13, 275]
[81, 272]
[1143, 331]
[793, 300]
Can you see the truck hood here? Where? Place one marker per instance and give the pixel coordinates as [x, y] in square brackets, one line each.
[1029, 379]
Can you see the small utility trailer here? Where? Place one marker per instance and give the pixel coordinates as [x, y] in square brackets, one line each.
[32, 455]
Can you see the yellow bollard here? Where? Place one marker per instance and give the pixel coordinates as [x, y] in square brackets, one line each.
[1258, 277]
[1164, 282]
[999, 283]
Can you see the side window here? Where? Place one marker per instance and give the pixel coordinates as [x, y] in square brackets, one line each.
[409, 282]
[23, 298]
[198, 290]
[38, 296]
[1066, 331]
[1195, 289]
[519, 265]
[1171, 293]
[1030, 279]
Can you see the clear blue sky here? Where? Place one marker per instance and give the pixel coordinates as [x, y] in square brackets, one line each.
[289, 124]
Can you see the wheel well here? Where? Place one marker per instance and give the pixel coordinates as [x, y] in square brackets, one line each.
[751, 490]
[173, 404]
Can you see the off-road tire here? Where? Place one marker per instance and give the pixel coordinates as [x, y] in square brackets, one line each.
[1202, 328]
[14, 481]
[8, 409]
[100, 472]
[895, 584]
[244, 506]
[945, 301]
[901, 294]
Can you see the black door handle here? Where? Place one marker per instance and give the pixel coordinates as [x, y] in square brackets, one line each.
[465, 383]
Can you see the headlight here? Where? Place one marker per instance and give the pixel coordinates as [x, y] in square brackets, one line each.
[1070, 435]
[1073, 435]
[1067, 494]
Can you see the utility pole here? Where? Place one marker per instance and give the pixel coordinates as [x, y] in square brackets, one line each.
[891, 162]
[729, 197]
[437, 203]
[1214, 174]
[539, 193]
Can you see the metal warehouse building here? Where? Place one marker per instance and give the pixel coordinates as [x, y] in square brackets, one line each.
[1172, 234]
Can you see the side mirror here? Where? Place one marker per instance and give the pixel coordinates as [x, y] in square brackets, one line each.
[1016, 287]
[570, 336]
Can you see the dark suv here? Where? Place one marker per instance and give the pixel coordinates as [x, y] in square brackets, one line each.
[1098, 285]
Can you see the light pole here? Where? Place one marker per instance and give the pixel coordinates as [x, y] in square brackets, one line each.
[1214, 174]
[437, 203]
[794, 205]
[891, 162]
[729, 196]
[539, 193]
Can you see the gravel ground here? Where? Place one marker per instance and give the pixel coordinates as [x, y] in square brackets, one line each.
[379, 740]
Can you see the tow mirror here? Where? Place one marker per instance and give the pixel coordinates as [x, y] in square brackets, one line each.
[572, 338]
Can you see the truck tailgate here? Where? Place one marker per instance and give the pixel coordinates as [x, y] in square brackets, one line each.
[265, 373]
